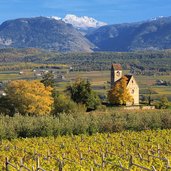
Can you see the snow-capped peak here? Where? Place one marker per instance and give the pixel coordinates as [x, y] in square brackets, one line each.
[156, 18]
[55, 17]
[81, 22]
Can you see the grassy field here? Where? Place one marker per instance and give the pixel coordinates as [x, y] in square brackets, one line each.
[100, 82]
[14, 75]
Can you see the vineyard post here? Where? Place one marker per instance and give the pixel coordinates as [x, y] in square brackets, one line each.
[103, 160]
[106, 152]
[48, 155]
[108, 135]
[63, 156]
[21, 164]
[167, 163]
[158, 149]
[137, 165]
[82, 139]
[153, 168]
[89, 148]
[122, 143]
[130, 162]
[6, 164]
[37, 163]
[81, 158]
[60, 165]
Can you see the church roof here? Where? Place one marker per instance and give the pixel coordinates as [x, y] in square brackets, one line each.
[128, 78]
[117, 66]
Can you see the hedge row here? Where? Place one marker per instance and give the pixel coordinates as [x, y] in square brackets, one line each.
[77, 123]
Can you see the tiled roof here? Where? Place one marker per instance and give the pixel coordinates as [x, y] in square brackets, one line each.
[128, 78]
[117, 66]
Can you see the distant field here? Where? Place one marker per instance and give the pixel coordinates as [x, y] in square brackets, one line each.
[100, 80]
[14, 75]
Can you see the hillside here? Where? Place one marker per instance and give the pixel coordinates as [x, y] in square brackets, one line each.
[42, 32]
[57, 35]
[140, 60]
[153, 34]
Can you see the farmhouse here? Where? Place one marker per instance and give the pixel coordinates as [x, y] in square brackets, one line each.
[132, 86]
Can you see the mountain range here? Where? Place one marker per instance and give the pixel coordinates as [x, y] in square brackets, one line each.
[42, 32]
[154, 34]
[54, 33]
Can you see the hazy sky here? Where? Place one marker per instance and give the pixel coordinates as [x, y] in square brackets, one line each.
[110, 11]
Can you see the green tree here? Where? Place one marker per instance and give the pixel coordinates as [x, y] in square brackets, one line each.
[149, 98]
[164, 103]
[6, 107]
[64, 104]
[30, 97]
[48, 79]
[82, 93]
[119, 94]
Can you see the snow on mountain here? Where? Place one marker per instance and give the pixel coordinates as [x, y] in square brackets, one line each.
[81, 22]
[56, 18]
[156, 18]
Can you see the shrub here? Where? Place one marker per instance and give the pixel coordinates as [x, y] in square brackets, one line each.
[83, 123]
[63, 104]
[82, 93]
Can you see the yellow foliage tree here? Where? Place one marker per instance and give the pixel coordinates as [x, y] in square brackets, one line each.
[30, 97]
[119, 94]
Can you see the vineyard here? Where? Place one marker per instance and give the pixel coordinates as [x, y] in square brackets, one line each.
[146, 150]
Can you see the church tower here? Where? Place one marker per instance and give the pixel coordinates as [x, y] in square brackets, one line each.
[116, 73]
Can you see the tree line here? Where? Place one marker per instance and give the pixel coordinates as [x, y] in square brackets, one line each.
[143, 62]
[40, 97]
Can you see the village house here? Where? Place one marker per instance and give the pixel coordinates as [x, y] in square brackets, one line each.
[132, 86]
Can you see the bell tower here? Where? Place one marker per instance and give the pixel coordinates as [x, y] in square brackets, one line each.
[116, 73]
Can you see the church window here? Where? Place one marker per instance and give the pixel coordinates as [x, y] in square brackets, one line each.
[118, 73]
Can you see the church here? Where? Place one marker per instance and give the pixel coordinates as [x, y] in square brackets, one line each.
[132, 86]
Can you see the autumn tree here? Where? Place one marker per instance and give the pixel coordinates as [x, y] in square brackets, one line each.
[119, 94]
[30, 97]
[82, 93]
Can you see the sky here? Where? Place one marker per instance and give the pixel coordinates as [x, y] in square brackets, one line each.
[109, 11]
